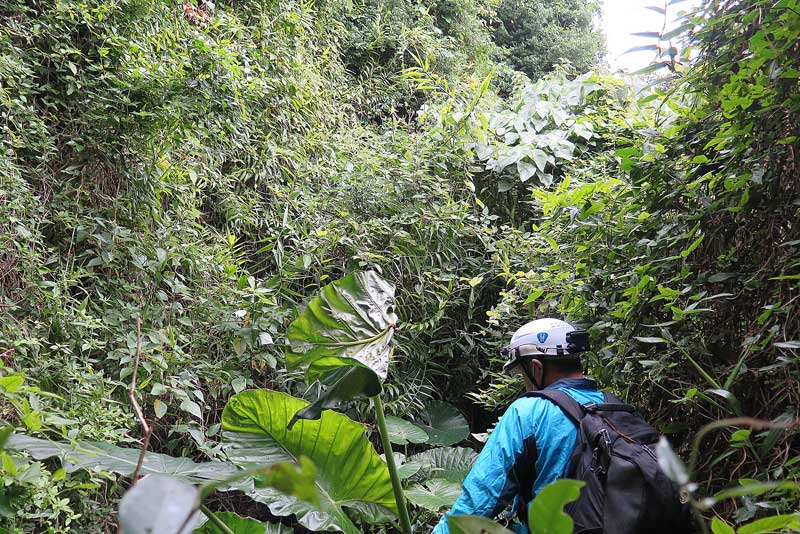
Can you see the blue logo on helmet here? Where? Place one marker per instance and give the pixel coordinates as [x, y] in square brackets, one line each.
[542, 337]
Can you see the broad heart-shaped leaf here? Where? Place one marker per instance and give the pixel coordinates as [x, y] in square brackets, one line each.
[351, 322]
[159, 504]
[444, 424]
[402, 432]
[474, 524]
[405, 469]
[344, 384]
[98, 456]
[434, 494]
[546, 513]
[449, 463]
[350, 473]
[242, 525]
[525, 170]
[285, 476]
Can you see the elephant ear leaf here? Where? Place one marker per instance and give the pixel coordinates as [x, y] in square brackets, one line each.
[343, 384]
[99, 457]
[449, 463]
[351, 322]
[242, 525]
[349, 471]
[444, 424]
[434, 494]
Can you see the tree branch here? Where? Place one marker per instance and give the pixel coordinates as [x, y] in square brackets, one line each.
[146, 428]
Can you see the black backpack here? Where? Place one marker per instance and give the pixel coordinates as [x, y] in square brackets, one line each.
[625, 492]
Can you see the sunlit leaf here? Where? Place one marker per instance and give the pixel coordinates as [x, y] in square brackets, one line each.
[546, 512]
[350, 324]
[350, 473]
[242, 525]
[719, 526]
[771, 524]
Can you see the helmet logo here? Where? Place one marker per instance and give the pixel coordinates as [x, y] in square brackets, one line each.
[542, 337]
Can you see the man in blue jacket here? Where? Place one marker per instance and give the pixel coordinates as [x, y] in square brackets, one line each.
[531, 444]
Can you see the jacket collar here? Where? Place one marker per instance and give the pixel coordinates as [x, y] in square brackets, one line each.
[575, 383]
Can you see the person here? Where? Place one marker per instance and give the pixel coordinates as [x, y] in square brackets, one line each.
[531, 444]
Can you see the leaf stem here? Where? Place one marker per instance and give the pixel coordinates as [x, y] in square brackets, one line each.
[699, 368]
[405, 522]
[755, 424]
[216, 520]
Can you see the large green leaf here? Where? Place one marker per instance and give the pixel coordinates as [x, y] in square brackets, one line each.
[402, 432]
[546, 512]
[474, 524]
[405, 469]
[98, 456]
[444, 424]
[242, 525]
[159, 503]
[343, 384]
[283, 476]
[450, 463]
[350, 473]
[434, 494]
[351, 322]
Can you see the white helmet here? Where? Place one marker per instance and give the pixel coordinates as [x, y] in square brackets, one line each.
[550, 339]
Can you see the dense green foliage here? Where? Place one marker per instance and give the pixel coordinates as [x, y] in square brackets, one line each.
[540, 34]
[207, 169]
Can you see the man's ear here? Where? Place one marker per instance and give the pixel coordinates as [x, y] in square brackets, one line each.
[538, 370]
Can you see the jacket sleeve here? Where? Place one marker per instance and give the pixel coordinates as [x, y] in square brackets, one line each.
[492, 483]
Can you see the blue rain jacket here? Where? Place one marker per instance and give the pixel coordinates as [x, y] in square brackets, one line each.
[528, 449]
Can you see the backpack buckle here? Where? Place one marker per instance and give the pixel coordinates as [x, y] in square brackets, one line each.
[590, 407]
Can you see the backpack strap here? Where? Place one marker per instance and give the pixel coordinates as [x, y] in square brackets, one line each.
[571, 408]
[575, 410]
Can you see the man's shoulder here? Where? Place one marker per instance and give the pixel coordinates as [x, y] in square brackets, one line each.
[529, 403]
